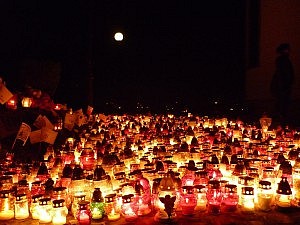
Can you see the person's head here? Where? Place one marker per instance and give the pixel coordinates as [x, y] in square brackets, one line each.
[283, 49]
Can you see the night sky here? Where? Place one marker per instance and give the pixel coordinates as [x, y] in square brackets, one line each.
[189, 52]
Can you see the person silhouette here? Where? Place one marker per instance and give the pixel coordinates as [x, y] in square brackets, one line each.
[282, 81]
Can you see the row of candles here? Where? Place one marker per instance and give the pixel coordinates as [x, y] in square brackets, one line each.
[236, 168]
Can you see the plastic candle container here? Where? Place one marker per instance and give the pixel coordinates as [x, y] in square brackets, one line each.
[265, 195]
[200, 191]
[59, 212]
[6, 205]
[188, 200]
[230, 198]
[83, 215]
[214, 197]
[97, 205]
[111, 209]
[129, 208]
[75, 205]
[87, 159]
[247, 199]
[37, 188]
[45, 210]
[34, 206]
[61, 193]
[284, 195]
[21, 207]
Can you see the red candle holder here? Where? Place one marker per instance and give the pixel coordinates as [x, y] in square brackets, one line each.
[230, 198]
[214, 197]
[188, 200]
[83, 215]
[129, 208]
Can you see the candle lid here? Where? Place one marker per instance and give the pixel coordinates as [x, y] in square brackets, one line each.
[97, 195]
[43, 170]
[110, 198]
[223, 183]
[187, 189]
[225, 160]
[5, 193]
[247, 190]
[264, 184]
[120, 175]
[201, 174]
[83, 205]
[36, 198]
[230, 188]
[23, 183]
[77, 173]
[246, 180]
[21, 197]
[214, 184]
[99, 173]
[199, 188]
[6, 179]
[59, 190]
[79, 197]
[67, 171]
[58, 203]
[36, 183]
[127, 198]
[44, 201]
[284, 187]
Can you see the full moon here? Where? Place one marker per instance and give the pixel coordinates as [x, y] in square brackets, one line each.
[118, 36]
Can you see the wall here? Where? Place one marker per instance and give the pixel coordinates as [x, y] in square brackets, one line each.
[279, 22]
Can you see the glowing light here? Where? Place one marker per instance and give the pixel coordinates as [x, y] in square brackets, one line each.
[118, 36]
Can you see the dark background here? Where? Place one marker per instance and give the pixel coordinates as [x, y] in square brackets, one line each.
[175, 54]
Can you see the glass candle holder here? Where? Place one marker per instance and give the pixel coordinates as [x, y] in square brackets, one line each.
[42, 173]
[143, 205]
[201, 178]
[45, 210]
[87, 159]
[265, 195]
[23, 188]
[78, 188]
[244, 181]
[37, 188]
[75, 203]
[296, 186]
[129, 208]
[230, 198]
[111, 209]
[83, 215]
[188, 200]
[97, 205]
[247, 199]
[214, 197]
[6, 205]
[200, 191]
[284, 195]
[34, 206]
[59, 212]
[21, 207]
[188, 178]
[61, 193]
[6, 182]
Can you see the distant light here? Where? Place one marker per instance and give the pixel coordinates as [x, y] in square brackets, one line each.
[118, 36]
